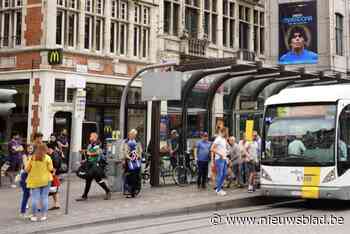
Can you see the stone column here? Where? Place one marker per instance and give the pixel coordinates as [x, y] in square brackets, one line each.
[107, 31]
[130, 43]
[81, 31]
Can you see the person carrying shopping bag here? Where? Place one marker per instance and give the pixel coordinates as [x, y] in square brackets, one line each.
[132, 152]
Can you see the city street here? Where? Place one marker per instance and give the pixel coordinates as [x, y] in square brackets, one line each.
[200, 222]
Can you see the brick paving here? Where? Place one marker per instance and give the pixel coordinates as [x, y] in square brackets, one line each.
[150, 201]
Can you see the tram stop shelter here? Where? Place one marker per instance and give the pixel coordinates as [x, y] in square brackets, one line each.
[255, 81]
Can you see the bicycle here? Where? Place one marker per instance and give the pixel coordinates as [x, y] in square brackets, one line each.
[185, 171]
[165, 168]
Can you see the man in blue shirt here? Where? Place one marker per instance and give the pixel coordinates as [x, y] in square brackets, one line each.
[203, 155]
[298, 53]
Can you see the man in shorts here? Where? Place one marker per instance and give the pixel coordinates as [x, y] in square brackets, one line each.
[252, 162]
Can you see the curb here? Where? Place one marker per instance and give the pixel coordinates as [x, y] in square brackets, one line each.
[216, 206]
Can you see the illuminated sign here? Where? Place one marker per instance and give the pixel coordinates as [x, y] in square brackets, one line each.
[55, 57]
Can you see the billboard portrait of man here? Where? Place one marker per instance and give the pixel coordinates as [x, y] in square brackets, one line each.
[298, 33]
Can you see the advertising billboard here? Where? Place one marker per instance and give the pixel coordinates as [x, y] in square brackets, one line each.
[298, 32]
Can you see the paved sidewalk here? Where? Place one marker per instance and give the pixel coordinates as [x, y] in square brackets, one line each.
[151, 202]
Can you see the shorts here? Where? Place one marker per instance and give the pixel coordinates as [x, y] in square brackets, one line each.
[252, 167]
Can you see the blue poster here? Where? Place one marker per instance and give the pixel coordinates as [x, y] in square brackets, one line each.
[298, 33]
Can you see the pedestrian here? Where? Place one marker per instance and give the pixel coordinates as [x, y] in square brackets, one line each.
[219, 148]
[245, 151]
[253, 160]
[203, 155]
[52, 143]
[39, 169]
[63, 144]
[54, 188]
[37, 139]
[16, 151]
[173, 146]
[212, 171]
[132, 153]
[23, 184]
[235, 157]
[95, 172]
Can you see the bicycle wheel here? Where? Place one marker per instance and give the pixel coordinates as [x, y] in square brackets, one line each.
[182, 176]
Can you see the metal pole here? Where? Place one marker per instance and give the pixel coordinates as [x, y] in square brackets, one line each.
[68, 184]
[155, 128]
[126, 90]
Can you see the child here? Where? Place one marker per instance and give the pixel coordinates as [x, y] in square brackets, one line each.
[25, 190]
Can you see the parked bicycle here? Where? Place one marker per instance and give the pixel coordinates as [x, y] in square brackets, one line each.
[186, 171]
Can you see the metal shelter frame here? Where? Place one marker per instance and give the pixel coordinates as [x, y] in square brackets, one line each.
[246, 73]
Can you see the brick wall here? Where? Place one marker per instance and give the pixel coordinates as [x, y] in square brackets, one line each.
[33, 21]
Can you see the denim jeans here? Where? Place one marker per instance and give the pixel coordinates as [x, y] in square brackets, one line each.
[40, 196]
[221, 170]
[202, 173]
[25, 198]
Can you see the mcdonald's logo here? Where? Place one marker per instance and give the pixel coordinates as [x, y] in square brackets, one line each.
[55, 57]
[107, 129]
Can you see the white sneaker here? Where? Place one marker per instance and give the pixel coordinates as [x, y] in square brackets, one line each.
[25, 216]
[34, 219]
[44, 218]
[250, 189]
[221, 193]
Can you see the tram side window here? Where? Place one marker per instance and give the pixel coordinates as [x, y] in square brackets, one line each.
[344, 141]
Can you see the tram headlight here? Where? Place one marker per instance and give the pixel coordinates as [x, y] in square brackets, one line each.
[330, 176]
[264, 175]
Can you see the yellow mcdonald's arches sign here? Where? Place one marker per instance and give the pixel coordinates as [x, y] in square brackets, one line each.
[55, 57]
[107, 129]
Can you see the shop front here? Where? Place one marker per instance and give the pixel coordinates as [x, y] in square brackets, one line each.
[103, 105]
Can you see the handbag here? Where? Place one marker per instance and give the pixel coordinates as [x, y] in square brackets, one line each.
[83, 171]
[134, 164]
[56, 181]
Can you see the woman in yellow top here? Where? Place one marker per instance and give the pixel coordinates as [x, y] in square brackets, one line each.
[39, 170]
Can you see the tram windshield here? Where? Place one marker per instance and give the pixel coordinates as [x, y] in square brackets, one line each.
[299, 135]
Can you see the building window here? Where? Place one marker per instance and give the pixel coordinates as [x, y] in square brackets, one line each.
[244, 27]
[67, 20]
[210, 21]
[171, 17]
[228, 24]
[141, 31]
[94, 25]
[11, 23]
[258, 32]
[119, 27]
[339, 34]
[60, 90]
[192, 11]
